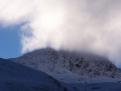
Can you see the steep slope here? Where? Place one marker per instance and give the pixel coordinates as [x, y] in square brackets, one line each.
[16, 77]
[69, 66]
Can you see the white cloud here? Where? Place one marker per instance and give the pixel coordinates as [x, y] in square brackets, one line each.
[91, 25]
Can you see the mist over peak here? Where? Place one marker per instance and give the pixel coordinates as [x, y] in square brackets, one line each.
[81, 25]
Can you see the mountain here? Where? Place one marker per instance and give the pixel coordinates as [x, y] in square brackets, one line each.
[69, 67]
[16, 77]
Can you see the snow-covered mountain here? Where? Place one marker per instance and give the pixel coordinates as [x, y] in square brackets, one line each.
[71, 66]
[16, 77]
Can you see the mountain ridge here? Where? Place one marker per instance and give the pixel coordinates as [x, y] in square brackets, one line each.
[17, 77]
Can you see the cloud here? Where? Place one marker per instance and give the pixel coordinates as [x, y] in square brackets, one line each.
[82, 25]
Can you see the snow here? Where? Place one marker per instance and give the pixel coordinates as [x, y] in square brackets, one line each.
[71, 67]
[72, 70]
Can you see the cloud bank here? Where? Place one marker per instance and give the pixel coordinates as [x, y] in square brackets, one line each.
[82, 25]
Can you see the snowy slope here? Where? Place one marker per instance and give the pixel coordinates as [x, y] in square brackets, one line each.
[71, 67]
[16, 77]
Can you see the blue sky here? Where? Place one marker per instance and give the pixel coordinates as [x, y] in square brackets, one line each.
[10, 44]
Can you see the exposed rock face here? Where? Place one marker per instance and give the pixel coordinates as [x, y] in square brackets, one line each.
[63, 62]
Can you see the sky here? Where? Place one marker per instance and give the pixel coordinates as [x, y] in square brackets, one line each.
[10, 45]
[80, 25]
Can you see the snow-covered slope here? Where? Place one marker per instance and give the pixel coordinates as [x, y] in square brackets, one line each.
[16, 77]
[71, 66]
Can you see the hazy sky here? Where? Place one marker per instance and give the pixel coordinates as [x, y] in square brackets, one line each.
[88, 25]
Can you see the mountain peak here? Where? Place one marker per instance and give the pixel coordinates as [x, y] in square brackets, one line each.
[63, 63]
